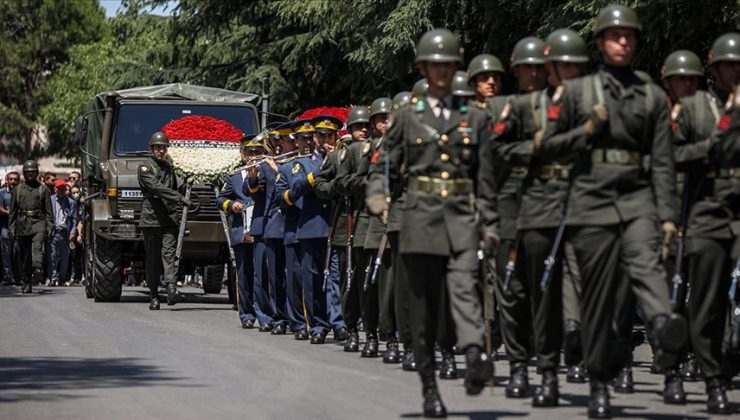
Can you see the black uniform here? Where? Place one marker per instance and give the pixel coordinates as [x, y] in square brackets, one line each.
[31, 219]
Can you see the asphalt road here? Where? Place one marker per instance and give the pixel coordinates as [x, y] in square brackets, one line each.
[65, 357]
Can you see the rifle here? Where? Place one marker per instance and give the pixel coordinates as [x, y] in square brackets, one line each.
[732, 294]
[181, 232]
[677, 279]
[232, 257]
[510, 267]
[371, 272]
[327, 259]
[349, 234]
[552, 257]
[486, 271]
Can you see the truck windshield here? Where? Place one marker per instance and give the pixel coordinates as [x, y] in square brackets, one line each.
[138, 121]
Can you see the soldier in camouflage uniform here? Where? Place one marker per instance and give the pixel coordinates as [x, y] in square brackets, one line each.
[30, 221]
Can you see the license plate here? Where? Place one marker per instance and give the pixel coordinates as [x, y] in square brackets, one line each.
[131, 194]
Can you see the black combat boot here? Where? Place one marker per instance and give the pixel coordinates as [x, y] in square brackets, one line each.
[391, 354]
[547, 395]
[408, 363]
[353, 343]
[673, 392]
[690, 371]
[370, 349]
[598, 403]
[717, 402]
[576, 374]
[433, 406]
[448, 367]
[518, 385]
[341, 334]
[669, 334]
[478, 369]
[154, 302]
[572, 342]
[173, 295]
[623, 383]
[26, 288]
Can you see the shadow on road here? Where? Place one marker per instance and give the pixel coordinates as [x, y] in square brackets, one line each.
[53, 378]
[472, 415]
[15, 291]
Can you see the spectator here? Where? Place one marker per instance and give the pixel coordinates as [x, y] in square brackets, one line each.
[76, 245]
[50, 178]
[6, 243]
[65, 230]
[73, 180]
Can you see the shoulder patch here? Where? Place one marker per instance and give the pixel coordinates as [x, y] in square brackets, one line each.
[375, 157]
[342, 155]
[296, 168]
[553, 112]
[366, 148]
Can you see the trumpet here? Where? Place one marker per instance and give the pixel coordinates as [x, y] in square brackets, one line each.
[258, 160]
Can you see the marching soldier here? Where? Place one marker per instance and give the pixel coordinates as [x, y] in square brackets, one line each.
[159, 220]
[485, 77]
[541, 209]
[527, 62]
[622, 196]
[358, 124]
[420, 88]
[710, 235]
[434, 144]
[233, 200]
[30, 220]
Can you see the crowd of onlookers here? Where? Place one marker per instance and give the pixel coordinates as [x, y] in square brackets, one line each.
[63, 251]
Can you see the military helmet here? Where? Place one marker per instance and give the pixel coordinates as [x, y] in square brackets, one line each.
[484, 63]
[529, 50]
[566, 46]
[401, 99]
[681, 63]
[460, 85]
[439, 46]
[616, 16]
[358, 114]
[381, 106]
[725, 48]
[420, 88]
[30, 166]
[159, 139]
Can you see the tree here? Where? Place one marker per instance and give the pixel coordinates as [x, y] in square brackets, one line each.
[35, 41]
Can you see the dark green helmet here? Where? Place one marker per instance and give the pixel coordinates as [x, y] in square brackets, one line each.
[725, 48]
[529, 50]
[682, 63]
[420, 88]
[401, 99]
[30, 166]
[460, 85]
[616, 16]
[439, 46]
[159, 139]
[358, 114]
[566, 46]
[484, 63]
[381, 106]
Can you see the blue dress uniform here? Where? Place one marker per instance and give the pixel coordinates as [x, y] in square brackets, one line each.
[313, 229]
[286, 292]
[233, 192]
[267, 225]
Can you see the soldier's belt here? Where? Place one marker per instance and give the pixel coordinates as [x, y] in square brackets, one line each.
[554, 171]
[724, 173]
[440, 187]
[615, 156]
[31, 213]
[519, 170]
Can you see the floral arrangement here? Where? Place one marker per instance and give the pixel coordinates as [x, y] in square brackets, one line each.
[203, 148]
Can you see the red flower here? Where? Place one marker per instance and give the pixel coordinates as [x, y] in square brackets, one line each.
[202, 127]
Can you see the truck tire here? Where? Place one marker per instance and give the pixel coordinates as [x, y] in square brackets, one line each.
[213, 279]
[108, 278]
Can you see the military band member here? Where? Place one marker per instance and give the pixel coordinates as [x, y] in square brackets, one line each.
[435, 143]
[622, 196]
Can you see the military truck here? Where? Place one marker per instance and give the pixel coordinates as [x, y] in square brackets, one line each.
[113, 134]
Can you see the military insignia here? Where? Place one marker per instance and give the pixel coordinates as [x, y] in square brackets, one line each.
[342, 155]
[144, 168]
[375, 157]
[499, 128]
[724, 122]
[558, 93]
[553, 112]
[420, 106]
[463, 109]
[675, 112]
[464, 124]
[296, 168]
[366, 148]
[506, 111]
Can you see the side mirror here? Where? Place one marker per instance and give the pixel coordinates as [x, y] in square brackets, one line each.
[80, 137]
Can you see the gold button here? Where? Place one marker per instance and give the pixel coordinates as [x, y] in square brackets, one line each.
[418, 140]
[443, 193]
[466, 140]
[445, 175]
[444, 137]
[445, 157]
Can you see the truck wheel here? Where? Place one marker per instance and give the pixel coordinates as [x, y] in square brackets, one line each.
[108, 278]
[213, 279]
